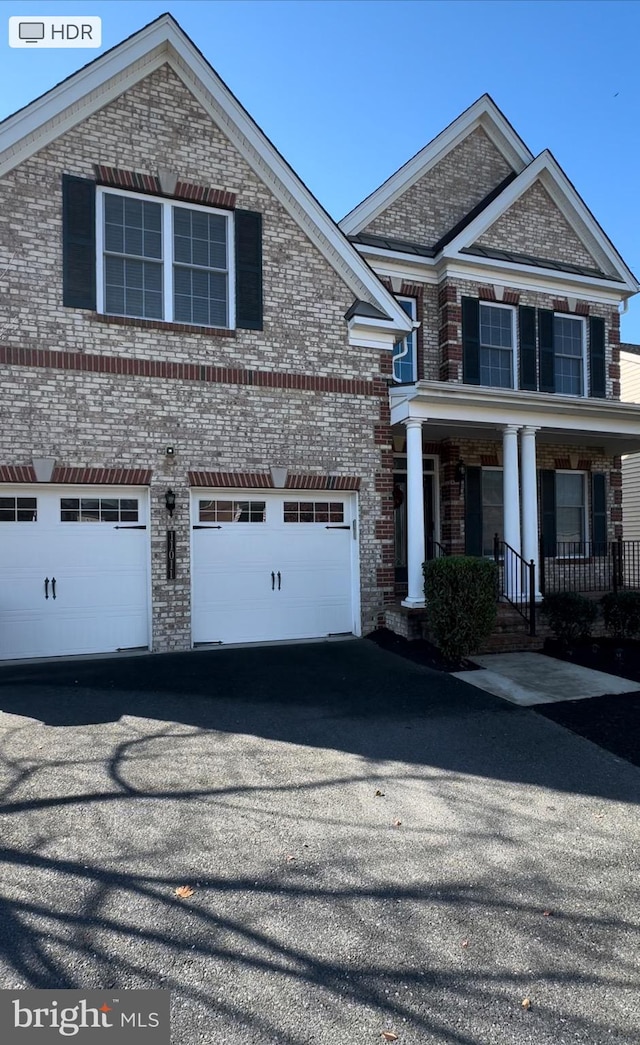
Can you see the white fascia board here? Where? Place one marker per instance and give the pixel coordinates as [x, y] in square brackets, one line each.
[369, 333]
[555, 181]
[530, 277]
[483, 113]
[163, 41]
[437, 401]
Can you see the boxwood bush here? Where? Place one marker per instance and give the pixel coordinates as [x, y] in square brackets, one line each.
[571, 616]
[621, 614]
[460, 593]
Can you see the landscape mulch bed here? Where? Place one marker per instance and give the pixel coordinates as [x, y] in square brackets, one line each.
[612, 722]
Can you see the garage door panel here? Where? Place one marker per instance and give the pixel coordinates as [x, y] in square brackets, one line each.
[101, 580]
[235, 598]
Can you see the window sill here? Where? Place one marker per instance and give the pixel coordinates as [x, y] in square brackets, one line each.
[161, 324]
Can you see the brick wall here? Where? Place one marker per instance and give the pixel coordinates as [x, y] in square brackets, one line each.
[535, 225]
[450, 294]
[111, 419]
[437, 201]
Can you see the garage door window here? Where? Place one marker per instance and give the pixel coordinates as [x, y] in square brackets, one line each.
[98, 509]
[313, 512]
[232, 511]
[18, 509]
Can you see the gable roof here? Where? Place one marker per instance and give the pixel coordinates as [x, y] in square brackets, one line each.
[608, 263]
[483, 113]
[161, 42]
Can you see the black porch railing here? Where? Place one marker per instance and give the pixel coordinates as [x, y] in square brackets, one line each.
[435, 550]
[516, 581]
[585, 566]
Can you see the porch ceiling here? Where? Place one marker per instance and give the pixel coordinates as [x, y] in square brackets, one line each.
[472, 412]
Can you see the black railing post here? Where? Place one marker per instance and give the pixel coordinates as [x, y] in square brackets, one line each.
[541, 562]
[614, 568]
[532, 598]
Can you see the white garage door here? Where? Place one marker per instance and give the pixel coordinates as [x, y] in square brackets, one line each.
[73, 570]
[272, 566]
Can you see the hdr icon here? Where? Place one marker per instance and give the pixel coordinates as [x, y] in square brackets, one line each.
[36, 31]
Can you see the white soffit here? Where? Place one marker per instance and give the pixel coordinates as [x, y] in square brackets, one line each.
[108, 76]
[483, 113]
[547, 171]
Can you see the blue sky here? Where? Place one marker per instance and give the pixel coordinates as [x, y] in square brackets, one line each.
[348, 91]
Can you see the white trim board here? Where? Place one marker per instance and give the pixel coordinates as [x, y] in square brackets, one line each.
[88, 90]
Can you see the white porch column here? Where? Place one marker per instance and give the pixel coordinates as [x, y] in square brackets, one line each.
[529, 499]
[511, 510]
[415, 514]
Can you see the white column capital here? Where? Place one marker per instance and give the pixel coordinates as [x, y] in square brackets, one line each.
[529, 430]
[413, 422]
[511, 429]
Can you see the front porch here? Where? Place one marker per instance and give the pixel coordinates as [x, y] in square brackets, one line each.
[532, 480]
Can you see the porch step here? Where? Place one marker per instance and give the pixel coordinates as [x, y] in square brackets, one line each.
[510, 634]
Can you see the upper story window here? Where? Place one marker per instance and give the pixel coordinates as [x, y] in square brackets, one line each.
[497, 346]
[162, 260]
[405, 369]
[569, 355]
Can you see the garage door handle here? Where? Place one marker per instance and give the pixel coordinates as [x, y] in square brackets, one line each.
[53, 586]
[46, 587]
[338, 527]
[273, 580]
[279, 580]
[207, 527]
[140, 527]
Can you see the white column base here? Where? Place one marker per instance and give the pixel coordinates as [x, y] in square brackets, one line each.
[413, 604]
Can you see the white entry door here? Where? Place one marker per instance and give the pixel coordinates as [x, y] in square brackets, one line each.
[73, 570]
[272, 566]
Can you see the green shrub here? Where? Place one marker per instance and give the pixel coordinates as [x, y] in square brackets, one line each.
[621, 614]
[571, 616]
[460, 593]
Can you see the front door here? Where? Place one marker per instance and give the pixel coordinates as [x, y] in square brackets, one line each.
[400, 505]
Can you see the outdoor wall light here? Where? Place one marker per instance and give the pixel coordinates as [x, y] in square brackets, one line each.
[170, 501]
[460, 473]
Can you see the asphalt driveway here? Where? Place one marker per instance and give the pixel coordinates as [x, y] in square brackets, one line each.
[372, 847]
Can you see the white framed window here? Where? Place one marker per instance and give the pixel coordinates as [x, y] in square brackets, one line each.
[569, 349]
[405, 363]
[571, 511]
[498, 346]
[492, 508]
[160, 259]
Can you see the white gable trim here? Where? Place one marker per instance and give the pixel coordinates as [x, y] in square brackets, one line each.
[546, 170]
[163, 41]
[483, 113]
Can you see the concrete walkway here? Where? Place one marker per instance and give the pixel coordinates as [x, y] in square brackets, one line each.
[532, 678]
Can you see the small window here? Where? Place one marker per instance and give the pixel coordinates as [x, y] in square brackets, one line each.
[496, 346]
[313, 512]
[18, 509]
[98, 509]
[568, 347]
[570, 511]
[492, 508]
[232, 511]
[404, 352]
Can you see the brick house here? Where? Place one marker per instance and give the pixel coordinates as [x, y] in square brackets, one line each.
[194, 374]
[505, 407]
[227, 419]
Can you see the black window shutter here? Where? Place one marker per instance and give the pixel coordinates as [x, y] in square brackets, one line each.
[547, 355]
[548, 498]
[528, 361]
[597, 357]
[471, 341]
[599, 512]
[473, 511]
[248, 232]
[78, 242]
